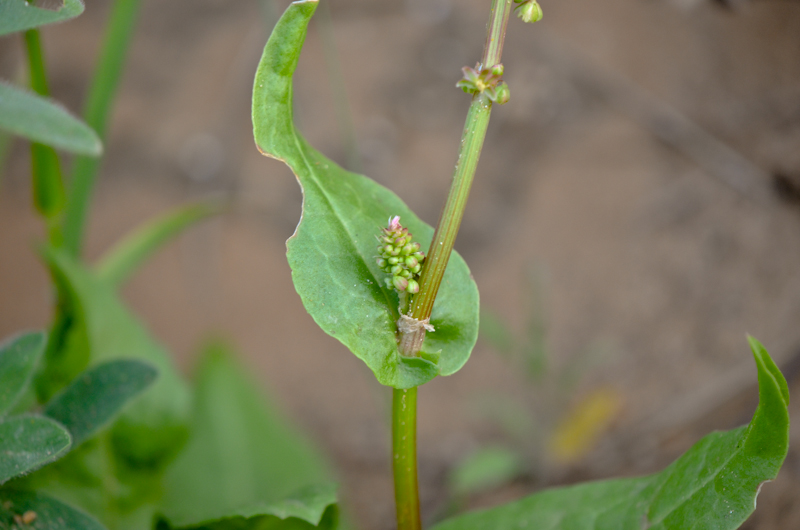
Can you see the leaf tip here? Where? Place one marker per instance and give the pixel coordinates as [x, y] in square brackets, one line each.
[97, 148]
[768, 368]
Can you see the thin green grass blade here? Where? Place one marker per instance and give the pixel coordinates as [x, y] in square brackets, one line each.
[48, 187]
[19, 15]
[127, 254]
[48, 182]
[19, 357]
[99, 102]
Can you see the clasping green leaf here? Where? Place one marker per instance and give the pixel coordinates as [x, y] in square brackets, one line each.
[332, 252]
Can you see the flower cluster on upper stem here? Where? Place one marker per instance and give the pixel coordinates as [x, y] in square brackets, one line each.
[400, 257]
[485, 80]
[528, 10]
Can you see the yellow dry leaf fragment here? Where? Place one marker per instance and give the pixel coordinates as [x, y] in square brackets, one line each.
[578, 432]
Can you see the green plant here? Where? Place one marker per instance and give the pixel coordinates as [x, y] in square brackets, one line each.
[72, 417]
[120, 433]
[95, 418]
[345, 289]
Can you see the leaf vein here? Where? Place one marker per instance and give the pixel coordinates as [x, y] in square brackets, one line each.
[304, 157]
[704, 483]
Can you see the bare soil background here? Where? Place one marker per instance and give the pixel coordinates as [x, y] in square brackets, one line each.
[647, 166]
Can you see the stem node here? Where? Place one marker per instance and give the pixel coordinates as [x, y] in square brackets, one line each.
[412, 327]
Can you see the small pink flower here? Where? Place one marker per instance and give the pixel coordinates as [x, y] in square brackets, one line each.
[394, 223]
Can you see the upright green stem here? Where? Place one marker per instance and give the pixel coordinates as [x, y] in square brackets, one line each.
[48, 184]
[404, 458]
[496, 32]
[450, 220]
[38, 78]
[98, 106]
[404, 403]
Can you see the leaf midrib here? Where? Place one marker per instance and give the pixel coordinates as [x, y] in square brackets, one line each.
[703, 483]
[300, 149]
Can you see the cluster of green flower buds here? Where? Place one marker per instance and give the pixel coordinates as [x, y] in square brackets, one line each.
[486, 80]
[400, 257]
[529, 10]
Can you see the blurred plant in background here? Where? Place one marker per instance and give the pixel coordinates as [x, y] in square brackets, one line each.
[98, 404]
[557, 422]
